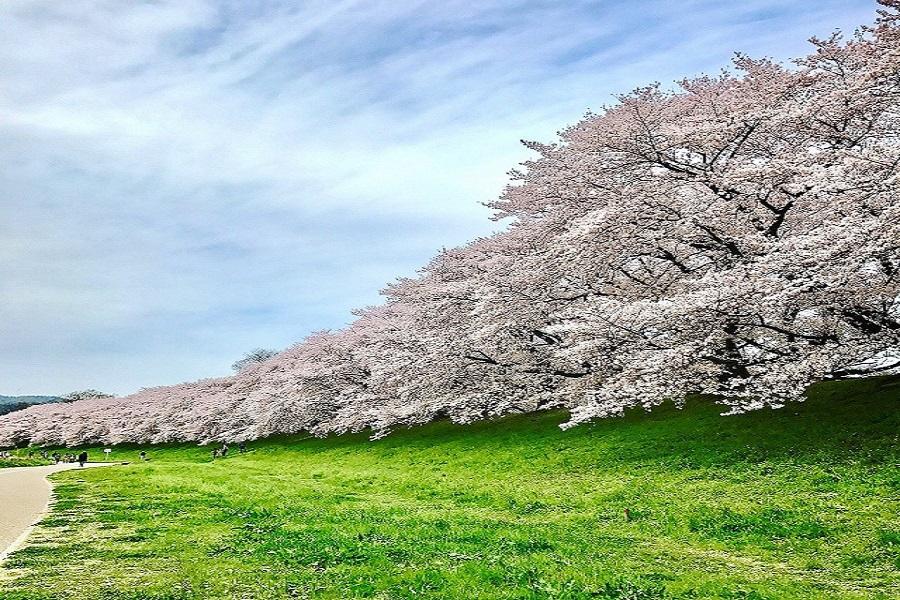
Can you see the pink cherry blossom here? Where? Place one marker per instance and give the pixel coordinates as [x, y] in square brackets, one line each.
[739, 236]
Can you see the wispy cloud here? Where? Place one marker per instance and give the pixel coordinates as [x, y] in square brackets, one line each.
[184, 180]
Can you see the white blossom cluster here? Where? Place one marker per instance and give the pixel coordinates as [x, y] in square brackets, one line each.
[737, 237]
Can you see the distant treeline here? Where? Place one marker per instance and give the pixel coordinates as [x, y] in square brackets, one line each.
[10, 404]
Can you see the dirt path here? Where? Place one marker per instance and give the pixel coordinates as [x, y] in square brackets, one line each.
[24, 498]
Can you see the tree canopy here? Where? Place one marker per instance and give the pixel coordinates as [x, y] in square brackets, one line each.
[255, 356]
[737, 236]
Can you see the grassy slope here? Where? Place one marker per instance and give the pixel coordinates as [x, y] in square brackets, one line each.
[18, 460]
[797, 503]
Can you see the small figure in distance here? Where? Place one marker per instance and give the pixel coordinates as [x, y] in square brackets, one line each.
[224, 450]
[82, 458]
[242, 447]
[143, 455]
[215, 453]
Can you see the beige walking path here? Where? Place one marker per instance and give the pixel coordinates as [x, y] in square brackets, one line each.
[24, 498]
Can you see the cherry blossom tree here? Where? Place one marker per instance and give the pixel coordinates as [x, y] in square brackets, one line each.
[85, 395]
[257, 355]
[737, 236]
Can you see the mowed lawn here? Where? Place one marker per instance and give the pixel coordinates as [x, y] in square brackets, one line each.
[801, 502]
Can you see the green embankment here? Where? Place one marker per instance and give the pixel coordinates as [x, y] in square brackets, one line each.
[21, 458]
[802, 502]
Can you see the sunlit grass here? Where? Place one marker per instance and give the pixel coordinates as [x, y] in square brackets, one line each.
[803, 502]
[21, 459]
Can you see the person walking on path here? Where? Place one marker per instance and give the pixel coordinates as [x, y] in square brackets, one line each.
[242, 447]
[82, 458]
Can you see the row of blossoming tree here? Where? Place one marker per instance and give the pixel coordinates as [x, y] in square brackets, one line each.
[739, 236]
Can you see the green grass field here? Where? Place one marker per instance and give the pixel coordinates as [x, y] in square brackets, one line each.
[802, 502]
[21, 461]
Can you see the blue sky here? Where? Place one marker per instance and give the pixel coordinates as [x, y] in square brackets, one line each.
[183, 181]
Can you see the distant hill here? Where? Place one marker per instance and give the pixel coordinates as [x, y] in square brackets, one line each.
[9, 404]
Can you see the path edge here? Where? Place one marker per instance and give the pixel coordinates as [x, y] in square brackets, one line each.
[51, 500]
